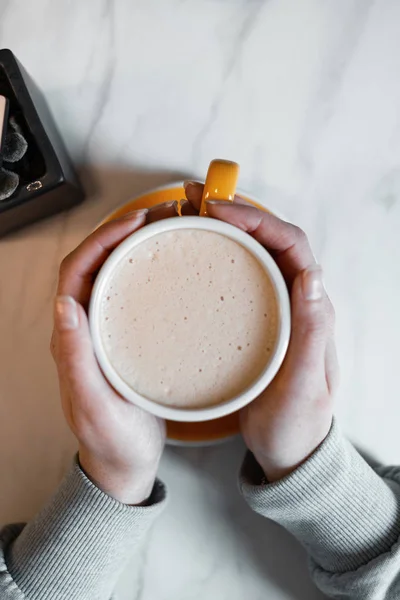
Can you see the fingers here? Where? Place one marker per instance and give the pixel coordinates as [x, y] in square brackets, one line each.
[162, 211]
[73, 351]
[79, 268]
[194, 193]
[187, 209]
[311, 331]
[287, 243]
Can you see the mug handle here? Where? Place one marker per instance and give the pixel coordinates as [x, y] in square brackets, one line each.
[221, 181]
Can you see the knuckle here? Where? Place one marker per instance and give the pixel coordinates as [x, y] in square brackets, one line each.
[315, 331]
[315, 328]
[66, 356]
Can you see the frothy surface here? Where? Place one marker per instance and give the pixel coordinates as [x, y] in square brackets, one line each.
[189, 318]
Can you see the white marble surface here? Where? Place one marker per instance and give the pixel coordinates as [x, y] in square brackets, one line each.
[305, 94]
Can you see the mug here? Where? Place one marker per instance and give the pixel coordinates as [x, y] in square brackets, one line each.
[220, 184]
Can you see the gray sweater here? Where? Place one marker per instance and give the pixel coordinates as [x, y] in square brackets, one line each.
[346, 515]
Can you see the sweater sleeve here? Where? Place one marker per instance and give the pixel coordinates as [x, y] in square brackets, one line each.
[76, 548]
[345, 514]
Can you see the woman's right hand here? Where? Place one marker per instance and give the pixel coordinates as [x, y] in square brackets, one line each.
[120, 445]
[293, 416]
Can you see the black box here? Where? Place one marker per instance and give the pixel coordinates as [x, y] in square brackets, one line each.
[48, 182]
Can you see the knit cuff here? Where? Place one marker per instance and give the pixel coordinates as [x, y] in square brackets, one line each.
[334, 504]
[77, 546]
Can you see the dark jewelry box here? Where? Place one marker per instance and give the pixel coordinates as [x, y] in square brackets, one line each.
[47, 182]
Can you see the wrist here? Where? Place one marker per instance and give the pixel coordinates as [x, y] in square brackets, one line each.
[274, 472]
[127, 485]
[279, 459]
[281, 465]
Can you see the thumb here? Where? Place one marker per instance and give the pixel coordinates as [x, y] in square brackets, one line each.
[73, 352]
[310, 327]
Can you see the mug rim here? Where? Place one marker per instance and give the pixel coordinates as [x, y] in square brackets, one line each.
[283, 302]
[179, 184]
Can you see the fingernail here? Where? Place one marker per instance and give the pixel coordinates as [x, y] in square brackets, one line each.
[134, 214]
[187, 184]
[218, 202]
[169, 204]
[183, 204]
[66, 313]
[162, 211]
[312, 284]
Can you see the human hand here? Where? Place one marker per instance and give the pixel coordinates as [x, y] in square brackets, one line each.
[120, 445]
[293, 416]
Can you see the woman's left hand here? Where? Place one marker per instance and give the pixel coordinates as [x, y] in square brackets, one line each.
[292, 417]
[120, 445]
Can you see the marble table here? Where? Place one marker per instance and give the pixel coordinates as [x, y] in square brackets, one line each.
[305, 94]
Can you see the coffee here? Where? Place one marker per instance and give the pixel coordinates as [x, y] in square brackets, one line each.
[189, 318]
